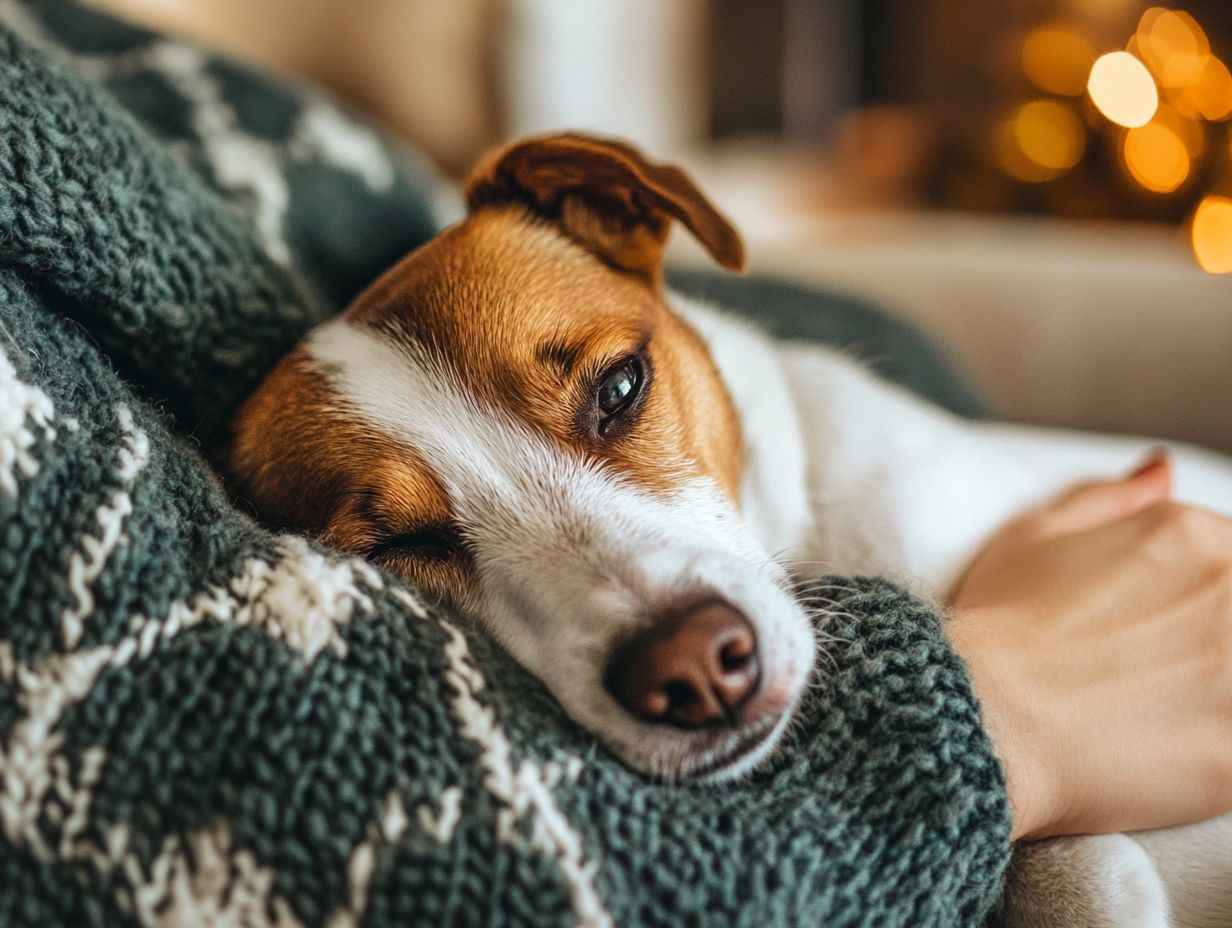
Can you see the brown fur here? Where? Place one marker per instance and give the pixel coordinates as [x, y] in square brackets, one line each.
[606, 195]
[551, 279]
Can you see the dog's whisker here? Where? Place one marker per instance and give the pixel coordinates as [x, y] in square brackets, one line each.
[816, 593]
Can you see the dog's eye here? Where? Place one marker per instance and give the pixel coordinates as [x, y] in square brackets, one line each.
[619, 387]
[436, 543]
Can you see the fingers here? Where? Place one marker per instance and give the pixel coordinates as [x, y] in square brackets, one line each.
[1099, 503]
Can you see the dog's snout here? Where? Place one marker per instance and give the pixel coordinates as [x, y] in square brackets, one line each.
[692, 668]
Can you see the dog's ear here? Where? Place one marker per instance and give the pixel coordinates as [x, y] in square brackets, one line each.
[606, 195]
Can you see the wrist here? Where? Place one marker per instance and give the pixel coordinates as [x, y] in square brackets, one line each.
[1010, 709]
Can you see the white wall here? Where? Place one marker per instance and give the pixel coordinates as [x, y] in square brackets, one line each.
[631, 68]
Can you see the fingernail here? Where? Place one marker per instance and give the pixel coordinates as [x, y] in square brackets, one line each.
[1156, 457]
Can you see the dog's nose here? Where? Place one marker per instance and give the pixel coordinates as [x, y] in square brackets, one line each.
[690, 669]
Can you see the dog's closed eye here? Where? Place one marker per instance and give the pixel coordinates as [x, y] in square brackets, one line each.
[429, 543]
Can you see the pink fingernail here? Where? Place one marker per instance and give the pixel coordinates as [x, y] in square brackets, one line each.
[1156, 457]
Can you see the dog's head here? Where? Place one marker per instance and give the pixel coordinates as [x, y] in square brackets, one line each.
[514, 418]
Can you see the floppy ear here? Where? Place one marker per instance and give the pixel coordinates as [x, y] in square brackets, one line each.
[607, 196]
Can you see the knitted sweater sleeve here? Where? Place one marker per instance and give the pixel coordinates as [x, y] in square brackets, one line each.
[203, 722]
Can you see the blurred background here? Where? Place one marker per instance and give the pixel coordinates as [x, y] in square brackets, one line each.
[1044, 186]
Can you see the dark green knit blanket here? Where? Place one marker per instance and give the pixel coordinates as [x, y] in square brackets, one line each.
[205, 723]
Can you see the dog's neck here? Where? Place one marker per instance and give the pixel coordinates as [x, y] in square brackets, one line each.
[843, 473]
[774, 493]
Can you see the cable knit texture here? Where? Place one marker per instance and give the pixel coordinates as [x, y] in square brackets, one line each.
[205, 723]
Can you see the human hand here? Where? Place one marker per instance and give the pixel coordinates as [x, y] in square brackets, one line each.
[1098, 632]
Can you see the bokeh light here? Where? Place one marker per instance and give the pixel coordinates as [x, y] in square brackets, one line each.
[1164, 103]
[1156, 157]
[1122, 88]
[1010, 158]
[1050, 133]
[1057, 59]
[1172, 44]
[1192, 132]
[1040, 141]
[1212, 234]
[1209, 95]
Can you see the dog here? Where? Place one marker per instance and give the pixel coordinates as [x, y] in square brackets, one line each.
[520, 419]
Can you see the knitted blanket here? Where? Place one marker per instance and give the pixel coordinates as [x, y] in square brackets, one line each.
[205, 723]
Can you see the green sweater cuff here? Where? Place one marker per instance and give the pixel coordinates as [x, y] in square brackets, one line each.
[900, 755]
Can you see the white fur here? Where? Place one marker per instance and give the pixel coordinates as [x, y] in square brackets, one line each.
[774, 496]
[1100, 881]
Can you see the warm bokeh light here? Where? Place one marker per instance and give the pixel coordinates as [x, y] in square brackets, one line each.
[1156, 157]
[1173, 45]
[1191, 131]
[1164, 102]
[1057, 59]
[1010, 158]
[1050, 133]
[1212, 234]
[1041, 141]
[1209, 95]
[1123, 89]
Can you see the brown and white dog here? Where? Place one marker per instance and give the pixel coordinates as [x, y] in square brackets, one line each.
[625, 487]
